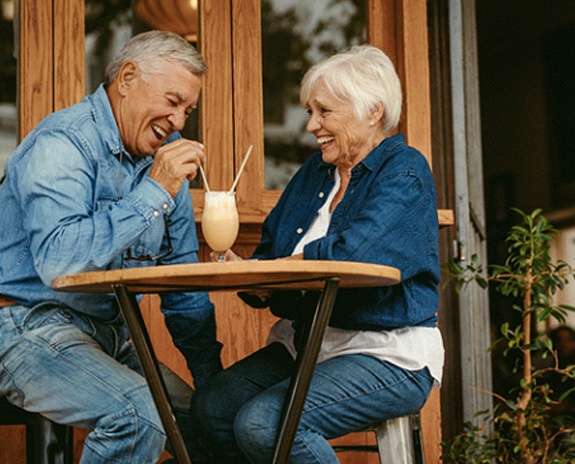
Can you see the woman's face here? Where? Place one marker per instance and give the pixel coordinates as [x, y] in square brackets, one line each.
[344, 140]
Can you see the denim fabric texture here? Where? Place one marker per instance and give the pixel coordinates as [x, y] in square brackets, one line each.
[72, 202]
[68, 206]
[235, 415]
[387, 216]
[83, 373]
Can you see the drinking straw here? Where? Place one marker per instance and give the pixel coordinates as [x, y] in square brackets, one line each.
[241, 168]
[204, 177]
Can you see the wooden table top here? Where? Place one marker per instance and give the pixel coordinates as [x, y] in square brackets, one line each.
[231, 275]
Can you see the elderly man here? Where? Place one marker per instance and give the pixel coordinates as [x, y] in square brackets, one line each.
[102, 185]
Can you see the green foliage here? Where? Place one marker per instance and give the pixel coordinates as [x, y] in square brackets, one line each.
[523, 429]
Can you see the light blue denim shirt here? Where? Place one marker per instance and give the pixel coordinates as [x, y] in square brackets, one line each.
[69, 206]
[388, 216]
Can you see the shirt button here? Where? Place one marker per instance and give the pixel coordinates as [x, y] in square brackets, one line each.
[299, 230]
[321, 194]
[165, 206]
[156, 213]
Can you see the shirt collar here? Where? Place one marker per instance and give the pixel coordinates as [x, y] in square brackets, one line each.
[110, 131]
[378, 155]
[105, 119]
[375, 159]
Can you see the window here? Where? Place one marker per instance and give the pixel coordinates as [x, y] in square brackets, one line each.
[8, 112]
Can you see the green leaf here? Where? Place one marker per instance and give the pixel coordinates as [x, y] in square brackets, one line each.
[528, 276]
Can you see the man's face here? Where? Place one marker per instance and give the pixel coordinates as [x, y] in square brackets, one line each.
[154, 106]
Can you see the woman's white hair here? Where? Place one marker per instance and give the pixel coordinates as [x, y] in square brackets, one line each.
[362, 75]
[150, 50]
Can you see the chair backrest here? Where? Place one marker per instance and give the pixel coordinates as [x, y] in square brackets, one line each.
[46, 442]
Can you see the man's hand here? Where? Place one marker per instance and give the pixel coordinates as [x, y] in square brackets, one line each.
[175, 162]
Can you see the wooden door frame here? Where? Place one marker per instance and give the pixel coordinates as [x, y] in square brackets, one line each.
[51, 66]
[399, 27]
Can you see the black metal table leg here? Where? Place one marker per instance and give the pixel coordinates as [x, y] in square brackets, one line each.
[305, 365]
[141, 339]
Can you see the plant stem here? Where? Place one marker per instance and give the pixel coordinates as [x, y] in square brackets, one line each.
[525, 398]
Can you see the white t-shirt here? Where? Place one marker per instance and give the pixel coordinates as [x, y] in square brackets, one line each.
[410, 348]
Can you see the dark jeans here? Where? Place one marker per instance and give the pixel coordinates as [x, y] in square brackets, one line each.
[236, 413]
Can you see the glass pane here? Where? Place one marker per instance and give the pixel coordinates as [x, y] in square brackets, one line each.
[109, 25]
[295, 35]
[8, 112]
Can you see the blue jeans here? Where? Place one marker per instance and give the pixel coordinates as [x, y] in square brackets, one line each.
[235, 414]
[77, 371]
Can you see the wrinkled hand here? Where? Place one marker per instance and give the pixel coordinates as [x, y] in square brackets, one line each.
[229, 255]
[262, 295]
[175, 162]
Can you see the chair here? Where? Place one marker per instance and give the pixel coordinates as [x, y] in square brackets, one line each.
[398, 441]
[46, 442]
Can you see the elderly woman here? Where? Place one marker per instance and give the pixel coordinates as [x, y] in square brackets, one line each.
[366, 197]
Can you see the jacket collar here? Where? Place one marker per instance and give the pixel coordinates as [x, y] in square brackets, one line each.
[375, 159]
[105, 119]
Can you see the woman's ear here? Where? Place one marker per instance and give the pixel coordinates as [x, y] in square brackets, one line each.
[377, 114]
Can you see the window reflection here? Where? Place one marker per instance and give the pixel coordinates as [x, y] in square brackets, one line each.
[108, 28]
[295, 35]
[8, 112]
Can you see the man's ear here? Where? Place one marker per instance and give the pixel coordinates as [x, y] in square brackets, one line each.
[128, 74]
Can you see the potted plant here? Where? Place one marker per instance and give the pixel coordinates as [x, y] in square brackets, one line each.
[521, 428]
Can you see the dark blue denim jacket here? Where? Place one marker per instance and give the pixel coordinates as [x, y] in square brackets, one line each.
[387, 216]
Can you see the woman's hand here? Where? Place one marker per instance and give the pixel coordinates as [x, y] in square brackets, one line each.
[229, 255]
[255, 298]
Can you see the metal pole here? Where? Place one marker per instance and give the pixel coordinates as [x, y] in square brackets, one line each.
[305, 365]
[151, 368]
